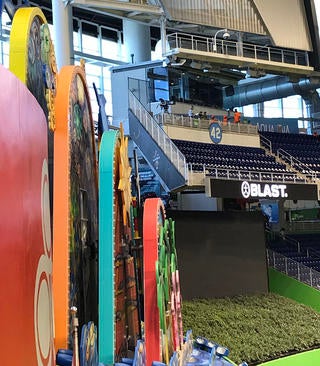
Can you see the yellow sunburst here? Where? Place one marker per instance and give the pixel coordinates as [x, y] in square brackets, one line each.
[124, 179]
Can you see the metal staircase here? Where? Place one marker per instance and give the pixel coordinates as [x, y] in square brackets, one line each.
[163, 156]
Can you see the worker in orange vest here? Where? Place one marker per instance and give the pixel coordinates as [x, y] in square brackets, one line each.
[236, 116]
[225, 120]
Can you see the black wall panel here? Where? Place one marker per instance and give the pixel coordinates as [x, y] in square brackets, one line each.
[220, 253]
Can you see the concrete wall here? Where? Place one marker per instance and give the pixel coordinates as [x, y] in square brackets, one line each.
[193, 134]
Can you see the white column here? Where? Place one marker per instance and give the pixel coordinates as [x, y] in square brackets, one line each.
[239, 44]
[163, 32]
[137, 42]
[63, 33]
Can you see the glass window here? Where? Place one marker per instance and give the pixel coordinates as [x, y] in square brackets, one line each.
[107, 89]
[90, 45]
[248, 110]
[292, 107]
[161, 89]
[111, 50]
[272, 108]
[76, 43]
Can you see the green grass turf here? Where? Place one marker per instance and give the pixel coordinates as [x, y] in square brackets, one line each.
[255, 328]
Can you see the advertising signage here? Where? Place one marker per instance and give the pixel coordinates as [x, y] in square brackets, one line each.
[260, 190]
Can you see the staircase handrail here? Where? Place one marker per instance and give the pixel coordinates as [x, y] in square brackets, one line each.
[283, 154]
[293, 241]
[157, 133]
[311, 252]
[266, 143]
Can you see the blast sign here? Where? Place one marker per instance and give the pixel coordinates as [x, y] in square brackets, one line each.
[263, 190]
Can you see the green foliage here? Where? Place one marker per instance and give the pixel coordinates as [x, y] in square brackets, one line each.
[255, 328]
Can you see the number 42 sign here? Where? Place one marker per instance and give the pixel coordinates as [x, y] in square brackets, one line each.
[215, 132]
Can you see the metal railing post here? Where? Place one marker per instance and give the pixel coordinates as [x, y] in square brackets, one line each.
[286, 264]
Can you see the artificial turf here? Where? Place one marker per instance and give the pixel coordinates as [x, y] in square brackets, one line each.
[255, 328]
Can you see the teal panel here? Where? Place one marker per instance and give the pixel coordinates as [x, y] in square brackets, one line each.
[106, 334]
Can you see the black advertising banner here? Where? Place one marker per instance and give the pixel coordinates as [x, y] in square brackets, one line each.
[261, 190]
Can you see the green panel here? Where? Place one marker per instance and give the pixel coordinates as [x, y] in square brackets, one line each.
[106, 334]
[307, 214]
[310, 358]
[281, 284]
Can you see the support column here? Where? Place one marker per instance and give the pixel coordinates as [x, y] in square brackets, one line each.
[63, 33]
[239, 44]
[137, 41]
[163, 33]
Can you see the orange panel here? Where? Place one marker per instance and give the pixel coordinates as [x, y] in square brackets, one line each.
[73, 122]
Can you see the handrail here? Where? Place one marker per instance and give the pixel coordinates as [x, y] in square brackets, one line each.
[283, 154]
[234, 48]
[242, 174]
[302, 226]
[293, 269]
[266, 143]
[162, 139]
[204, 124]
[311, 252]
[293, 241]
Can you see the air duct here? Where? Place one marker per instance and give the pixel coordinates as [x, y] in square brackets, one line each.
[312, 101]
[267, 88]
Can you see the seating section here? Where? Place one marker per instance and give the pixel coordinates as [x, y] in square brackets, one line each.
[302, 248]
[309, 242]
[234, 162]
[303, 147]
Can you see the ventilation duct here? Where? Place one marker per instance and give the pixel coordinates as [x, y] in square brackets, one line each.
[312, 101]
[268, 88]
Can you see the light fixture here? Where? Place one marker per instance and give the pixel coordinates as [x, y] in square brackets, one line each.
[206, 67]
[225, 35]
